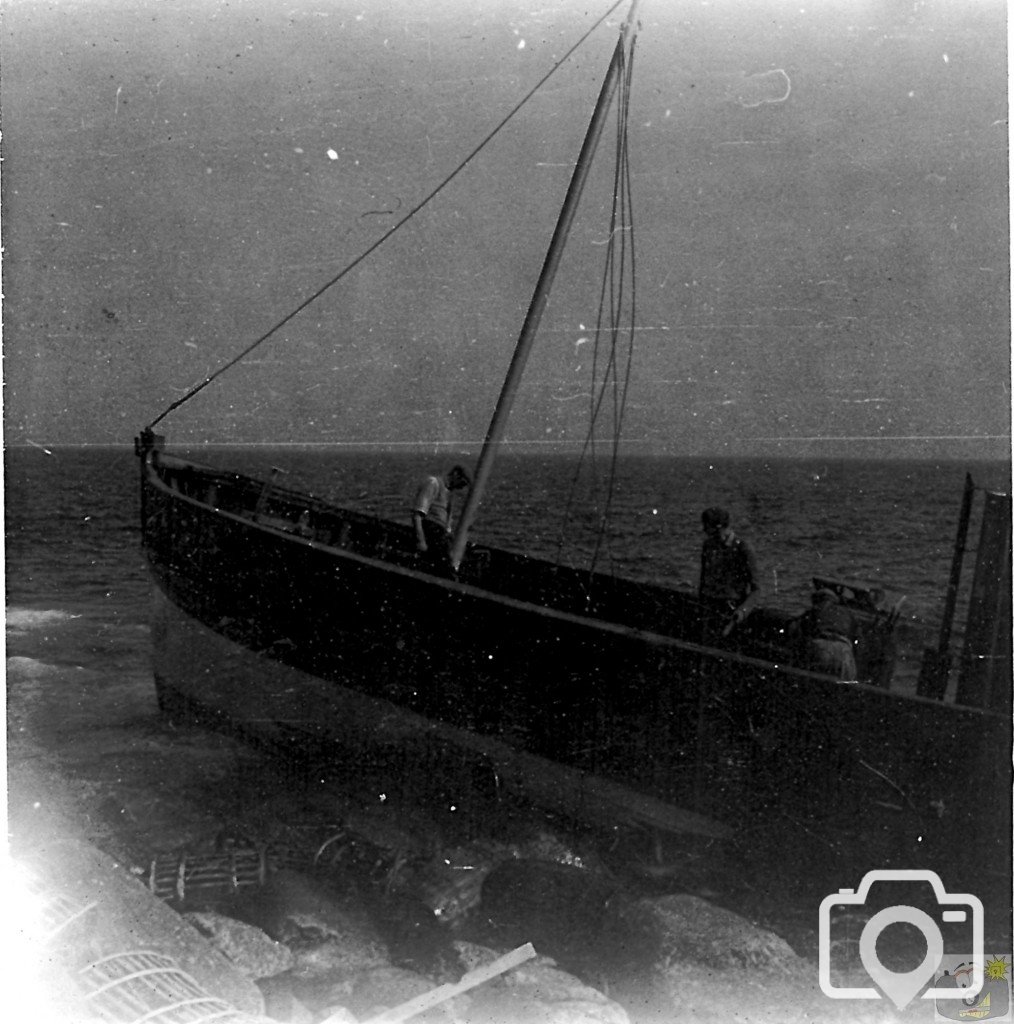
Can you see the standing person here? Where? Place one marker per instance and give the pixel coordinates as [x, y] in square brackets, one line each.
[828, 630]
[729, 588]
[431, 515]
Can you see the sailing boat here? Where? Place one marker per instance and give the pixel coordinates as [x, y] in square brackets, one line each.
[315, 629]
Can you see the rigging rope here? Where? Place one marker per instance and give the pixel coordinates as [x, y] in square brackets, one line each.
[394, 227]
[618, 274]
[619, 394]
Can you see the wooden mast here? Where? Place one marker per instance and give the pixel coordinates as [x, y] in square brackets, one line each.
[498, 424]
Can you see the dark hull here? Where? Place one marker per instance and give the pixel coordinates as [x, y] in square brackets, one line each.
[515, 653]
[312, 723]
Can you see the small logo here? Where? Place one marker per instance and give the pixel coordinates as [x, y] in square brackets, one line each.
[992, 1002]
[901, 987]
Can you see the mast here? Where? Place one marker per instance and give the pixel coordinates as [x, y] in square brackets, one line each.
[501, 413]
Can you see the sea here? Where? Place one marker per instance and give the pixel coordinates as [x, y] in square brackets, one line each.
[80, 694]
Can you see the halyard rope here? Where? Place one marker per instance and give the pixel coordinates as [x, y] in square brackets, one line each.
[616, 272]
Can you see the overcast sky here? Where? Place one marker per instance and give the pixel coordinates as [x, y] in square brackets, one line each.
[820, 202]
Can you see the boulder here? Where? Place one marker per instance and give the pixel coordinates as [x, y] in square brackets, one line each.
[686, 929]
[327, 934]
[281, 1003]
[257, 955]
[559, 908]
[679, 960]
[316, 956]
[452, 882]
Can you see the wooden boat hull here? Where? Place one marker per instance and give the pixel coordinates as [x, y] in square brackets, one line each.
[331, 622]
[316, 724]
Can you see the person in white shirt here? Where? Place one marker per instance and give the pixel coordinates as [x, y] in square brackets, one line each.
[431, 515]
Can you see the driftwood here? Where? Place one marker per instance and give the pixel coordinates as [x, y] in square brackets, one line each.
[444, 992]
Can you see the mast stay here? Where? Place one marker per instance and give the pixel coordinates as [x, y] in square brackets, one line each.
[148, 431]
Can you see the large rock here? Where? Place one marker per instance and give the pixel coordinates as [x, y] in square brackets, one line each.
[281, 1002]
[257, 955]
[328, 936]
[559, 908]
[452, 883]
[687, 929]
[680, 960]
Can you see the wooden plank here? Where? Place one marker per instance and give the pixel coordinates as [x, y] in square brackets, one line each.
[442, 993]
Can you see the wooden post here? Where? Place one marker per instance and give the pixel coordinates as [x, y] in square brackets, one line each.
[936, 665]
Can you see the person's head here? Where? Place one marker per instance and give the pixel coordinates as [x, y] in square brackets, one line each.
[715, 521]
[457, 478]
[823, 597]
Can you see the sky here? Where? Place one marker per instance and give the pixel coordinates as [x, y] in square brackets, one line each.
[820, 200]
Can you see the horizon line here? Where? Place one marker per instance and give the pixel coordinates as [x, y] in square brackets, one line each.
[652, 448]
[559, 443]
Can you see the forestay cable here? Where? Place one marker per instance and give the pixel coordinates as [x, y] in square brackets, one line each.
[391, 230]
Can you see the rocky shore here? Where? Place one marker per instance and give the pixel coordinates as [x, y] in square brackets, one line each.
[295, 898]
